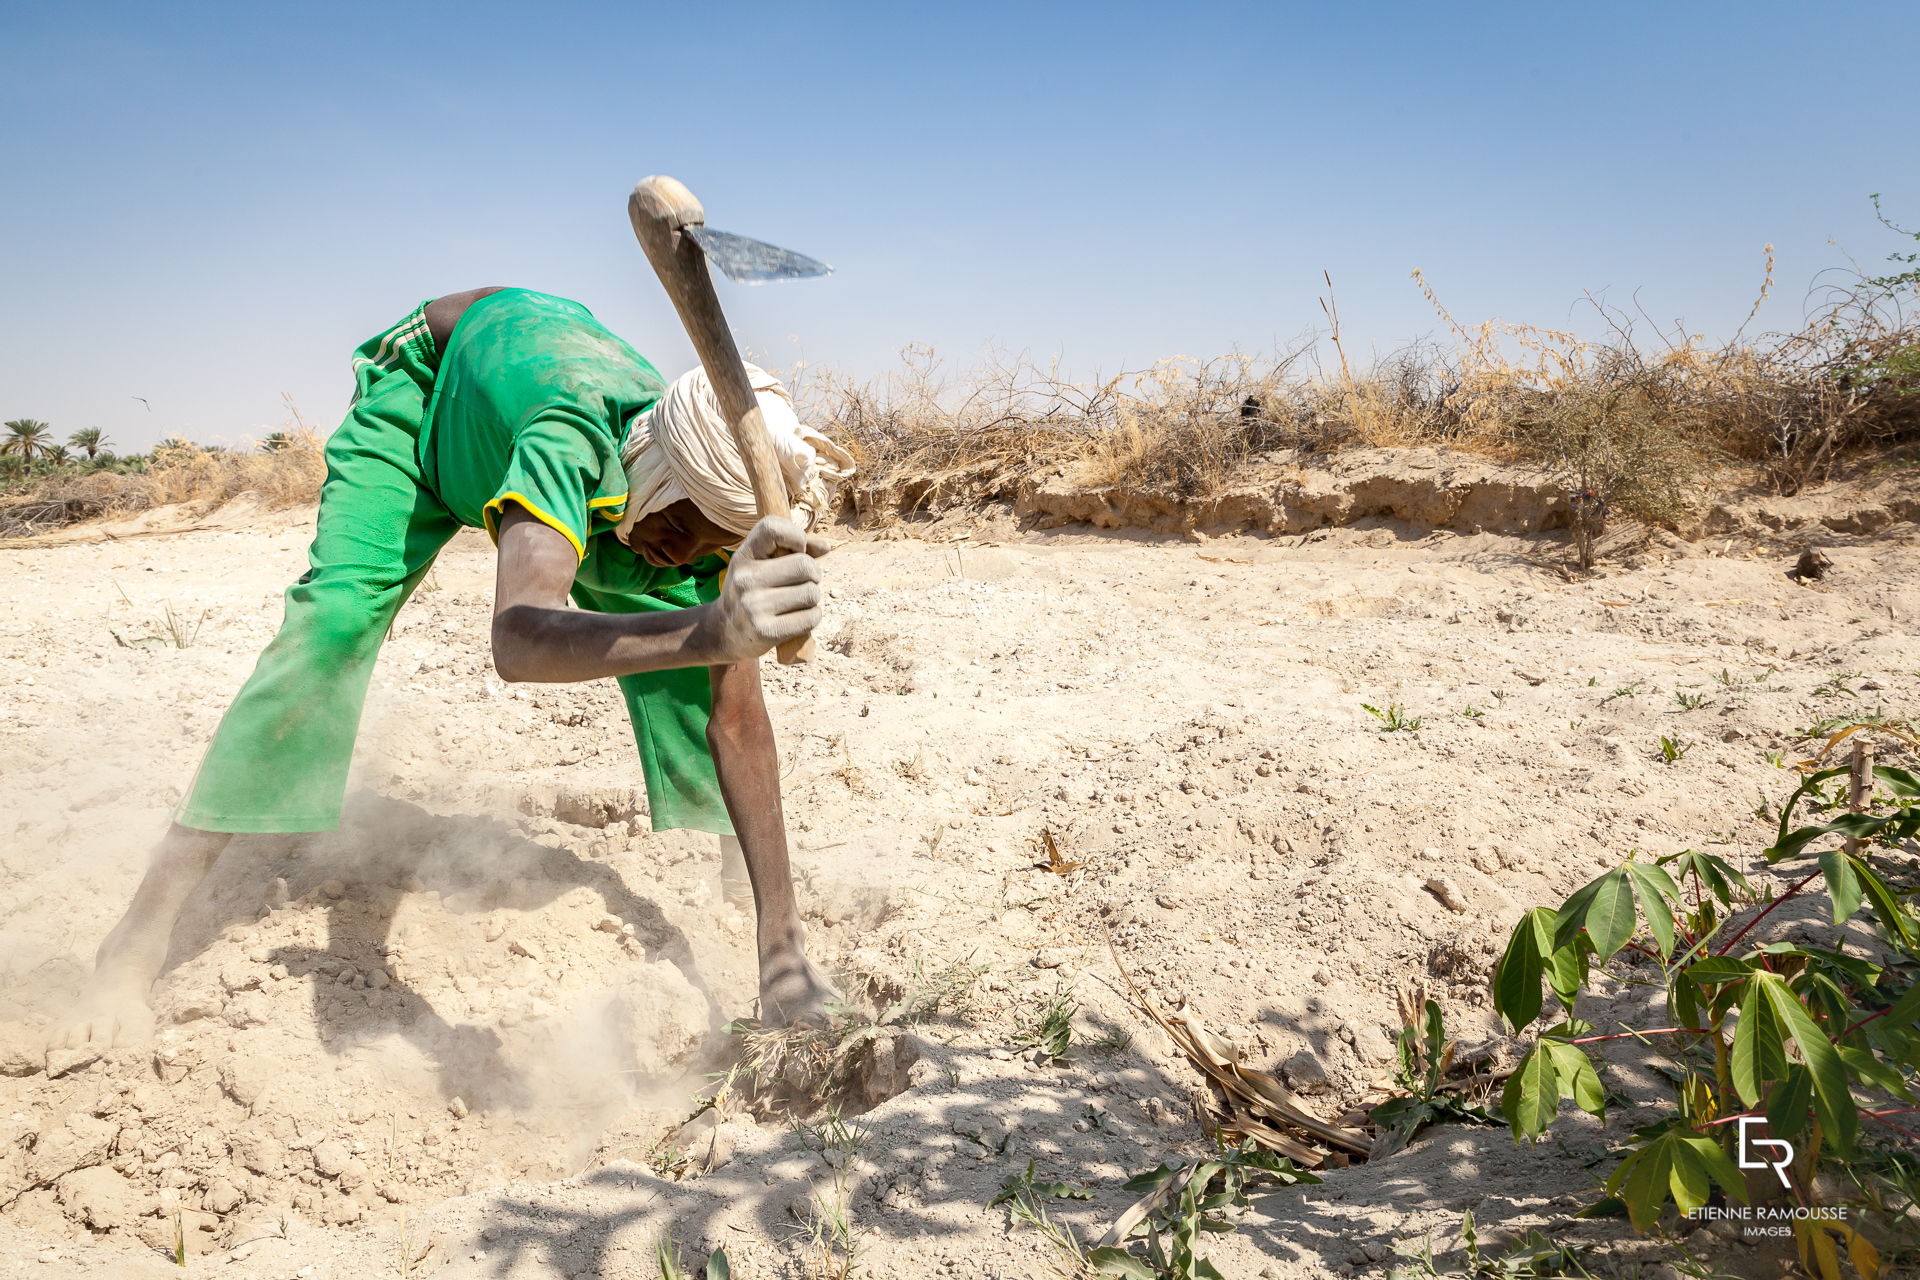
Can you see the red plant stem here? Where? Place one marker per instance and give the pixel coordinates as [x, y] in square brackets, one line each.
[1900, 1129]
[1748, 927]
[1635, 1035]
[1863, 1022]
[1735, 1116]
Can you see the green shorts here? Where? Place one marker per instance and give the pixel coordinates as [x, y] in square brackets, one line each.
[279, 760]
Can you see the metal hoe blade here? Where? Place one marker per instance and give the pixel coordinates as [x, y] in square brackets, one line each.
[753, 261]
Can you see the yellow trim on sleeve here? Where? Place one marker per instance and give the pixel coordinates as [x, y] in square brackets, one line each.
[596, 506]
[491, 514]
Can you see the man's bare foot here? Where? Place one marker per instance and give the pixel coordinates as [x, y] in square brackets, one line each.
[113, 1008]
[793, 990]
[111, 1011]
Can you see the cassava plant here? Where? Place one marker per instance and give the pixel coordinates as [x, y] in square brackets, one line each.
[1813, 1046]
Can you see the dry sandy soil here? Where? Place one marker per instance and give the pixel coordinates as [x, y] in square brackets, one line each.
[458, 1036]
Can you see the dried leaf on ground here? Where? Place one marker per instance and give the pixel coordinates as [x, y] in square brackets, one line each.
[1256, 1104]
[1055, 863]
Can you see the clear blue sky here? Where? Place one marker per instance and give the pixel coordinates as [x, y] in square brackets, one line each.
[208, 205]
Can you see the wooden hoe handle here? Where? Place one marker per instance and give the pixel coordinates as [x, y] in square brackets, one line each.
[660, 207]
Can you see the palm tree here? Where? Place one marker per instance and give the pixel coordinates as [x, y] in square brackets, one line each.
[275, 442]
[29, 438]
[92, 439]
[58, 454]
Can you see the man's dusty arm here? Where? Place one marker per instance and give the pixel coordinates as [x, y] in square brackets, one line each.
[740, 734]
[769, 597]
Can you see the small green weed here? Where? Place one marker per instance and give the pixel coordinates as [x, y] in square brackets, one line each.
[1048, 1026]
[1024, 1198]
[829, 1227]
[1674, 749]
[1835, 685]
[177, 631]
[1689, 701]
[1019, 1191]
[1394, 719]
[1472, 712]
[1425, 1055]
[1633, 690]
[672, 1266]
[1532, 1255]
[1179, 1202]
[930, 993]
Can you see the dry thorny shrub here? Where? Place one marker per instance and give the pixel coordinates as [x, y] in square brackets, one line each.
[1639, 421]
[286, 475]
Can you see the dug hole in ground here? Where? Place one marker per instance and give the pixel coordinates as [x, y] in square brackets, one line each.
[461, 1035]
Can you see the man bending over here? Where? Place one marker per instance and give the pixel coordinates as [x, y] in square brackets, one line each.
[518, 412]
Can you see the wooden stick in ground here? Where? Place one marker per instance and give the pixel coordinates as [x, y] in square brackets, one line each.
[659, 208]
[1859, 783]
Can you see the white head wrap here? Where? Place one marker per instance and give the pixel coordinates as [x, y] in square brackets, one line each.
[682, 448]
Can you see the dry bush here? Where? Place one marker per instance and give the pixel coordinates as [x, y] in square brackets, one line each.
[958, 438]
[177, 472]
[1640, 420]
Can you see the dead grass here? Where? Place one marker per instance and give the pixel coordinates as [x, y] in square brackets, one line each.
[177, 472]
[1643, 418]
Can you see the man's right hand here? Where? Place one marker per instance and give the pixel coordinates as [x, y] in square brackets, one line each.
[771, 595]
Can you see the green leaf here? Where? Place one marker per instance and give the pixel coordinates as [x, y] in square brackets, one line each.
[1436, 1045]
[1843, 887]
[1688, 1181]
[1788, 1110]
[1824, 996]
[1516, 979]
[1866, 1066]
[1683, 1000]
[1901, 784]
[1852, 826]
[1887, 908]
[1531, 1098]
[1576, 1078]
[1118, 1262]
[1839, 1117]
[1642, 1180]
[1656, 893]
[1718, 1163]
[1810, 785]
[718, 1268]
[1679, 1163]
[1140, 1183]
[1716, 873]
[1759, 1054]
[1402, 1113]
[1718, 969]
[1568, 1029]
[1904, 1010]
[1604, 909]
[1567, 971]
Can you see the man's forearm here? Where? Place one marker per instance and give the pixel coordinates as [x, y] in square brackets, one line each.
[740, 734]
[534, 643]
